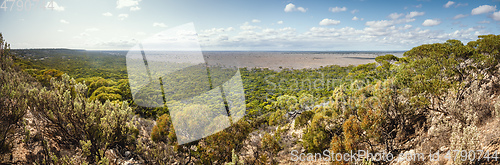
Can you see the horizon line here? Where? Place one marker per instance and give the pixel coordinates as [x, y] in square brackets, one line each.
[215, 50]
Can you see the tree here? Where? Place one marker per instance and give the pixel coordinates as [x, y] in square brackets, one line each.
[386, 62]
[488, 51]
[431, 70]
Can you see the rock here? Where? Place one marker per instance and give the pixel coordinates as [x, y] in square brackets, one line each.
[127, 153]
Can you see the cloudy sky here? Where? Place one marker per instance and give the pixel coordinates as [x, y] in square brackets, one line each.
[248, 24]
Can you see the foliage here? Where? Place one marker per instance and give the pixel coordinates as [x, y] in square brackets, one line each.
[76, 63]
[487, 52]
[155, 153]
[218, 147]
[433, 69]
[378, 113]
[317, 136]
[164, 130]
[235, 160]
[277, 117]
[13, 105]
[270, 144]
[77, 119]
[444, 89]
[303, 119]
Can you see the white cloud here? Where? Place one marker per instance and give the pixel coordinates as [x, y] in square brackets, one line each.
[483, 9]
[279, 22]
[378, 35]
[379, 24]
[126, 3]
[122, 16]
[356, 18]
[60, 30]
[246, 26]
[140, 33]
[404, 20]
[91, 29]
[419, 6]
[301, 9]
[460, 16]
[385, 27]
[496, 16]
[135, 8]
[326, 22]
[64, 21]
[354, 11]
[448, 4]
[107, 14]
[414, 14]
[431, 22]
[53, 6]
[395, 15]
[291, 7]
[337, 9]
[158, 24]
[406, 27]
[255, 21]
[214, 32]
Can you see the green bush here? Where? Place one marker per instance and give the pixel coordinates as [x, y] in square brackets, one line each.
[270, 145]
[303, 119]
[14, 85]
[277, 117]
[77, 119]
[218, 147]
[164, 130]
[318, 134]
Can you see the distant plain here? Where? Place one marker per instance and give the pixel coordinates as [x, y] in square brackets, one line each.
[292, 60]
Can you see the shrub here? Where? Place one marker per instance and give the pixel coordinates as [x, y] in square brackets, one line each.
[270, 145]
[106, 93]
[76, 119]
[287, 103]
[14, 85]
[164, 130]
[318, 135]
[154, 153]
[277, 117]
[352, 134]
[463, 139]
[303, 119]
[218, 147]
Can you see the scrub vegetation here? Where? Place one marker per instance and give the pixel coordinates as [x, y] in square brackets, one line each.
[60, 106]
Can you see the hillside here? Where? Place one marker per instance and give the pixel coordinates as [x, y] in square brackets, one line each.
[438, 99]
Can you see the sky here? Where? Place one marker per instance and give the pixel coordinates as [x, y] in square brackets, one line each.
[248, 25]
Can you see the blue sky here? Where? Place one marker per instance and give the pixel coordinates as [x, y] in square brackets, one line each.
[249, 24]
